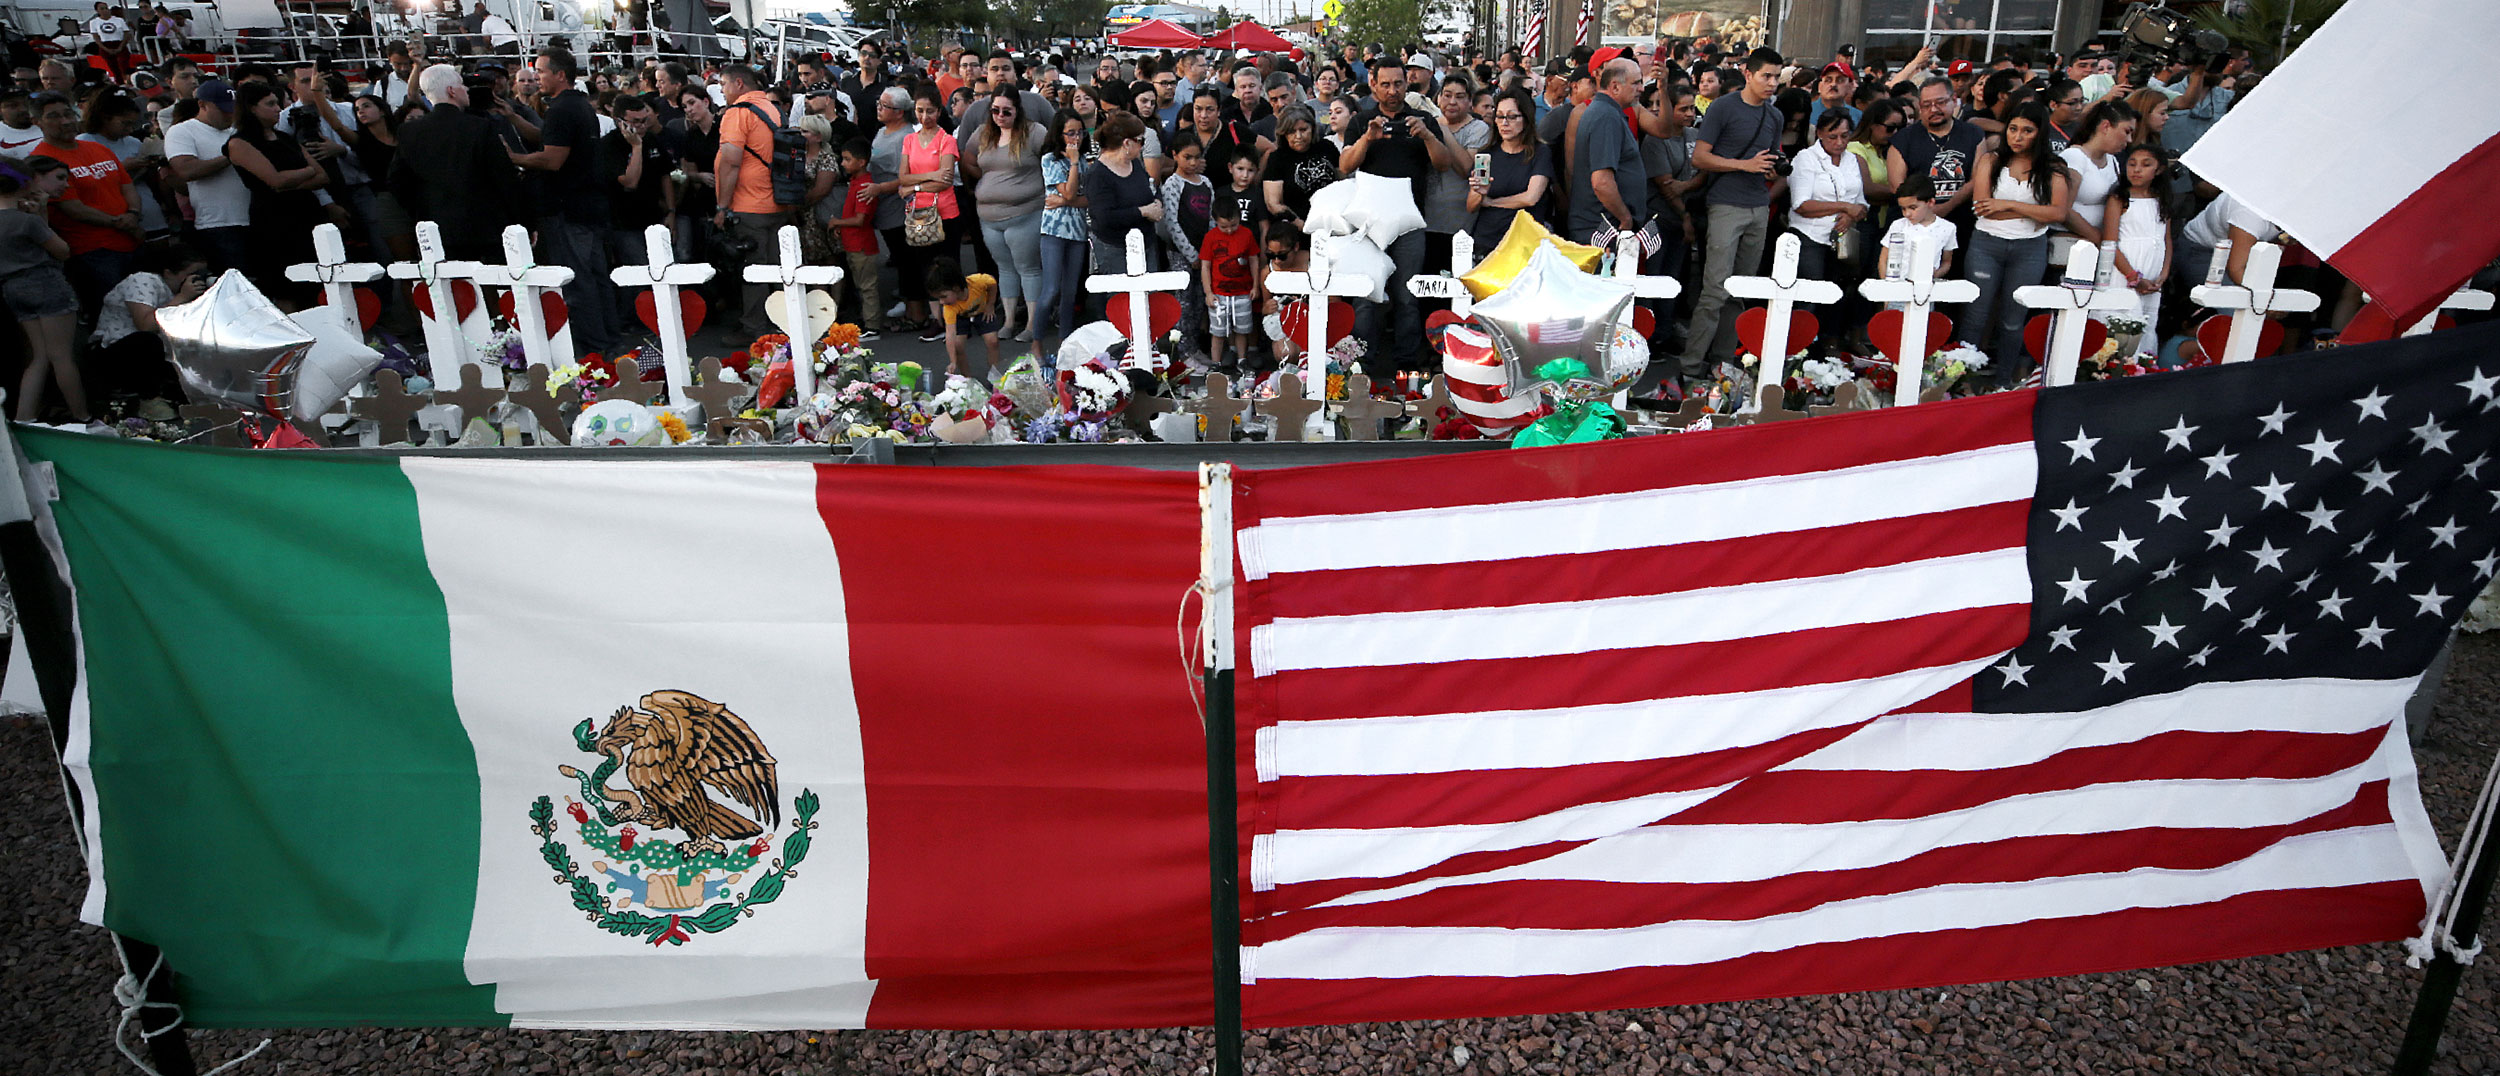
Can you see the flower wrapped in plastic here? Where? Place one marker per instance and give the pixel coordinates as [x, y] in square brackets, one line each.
[1093, 391]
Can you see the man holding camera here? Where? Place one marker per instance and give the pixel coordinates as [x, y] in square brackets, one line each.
[1401, 144]
[1738, 143]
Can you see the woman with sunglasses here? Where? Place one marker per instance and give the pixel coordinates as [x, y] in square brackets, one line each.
[1005, 167]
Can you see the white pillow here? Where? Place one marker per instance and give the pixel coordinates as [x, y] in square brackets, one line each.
[338, 360]
[1377, 206]
[1356, 254]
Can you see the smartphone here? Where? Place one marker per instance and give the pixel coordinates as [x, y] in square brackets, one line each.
[1484, 165]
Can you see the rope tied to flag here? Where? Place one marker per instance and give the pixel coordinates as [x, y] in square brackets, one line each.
[130, 993]
[2439, 927]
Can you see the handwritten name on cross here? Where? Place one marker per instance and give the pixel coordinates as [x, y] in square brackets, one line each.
[664, 276]
[1316, 286]
[1449, 285]
[2249, 302]
[2070, 303]
[1139, 285]
[337, 277]
[1628, 271]
[529, 281]
[445, 345]
[1784, 291]
[794, 275]
[1920, 292]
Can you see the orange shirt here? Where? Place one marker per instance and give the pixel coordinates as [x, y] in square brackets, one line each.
[750, 141]
[95, 181]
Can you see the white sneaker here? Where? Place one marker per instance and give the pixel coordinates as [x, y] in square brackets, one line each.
[894, 311]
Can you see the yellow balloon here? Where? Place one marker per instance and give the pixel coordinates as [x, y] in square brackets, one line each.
[1508, 257]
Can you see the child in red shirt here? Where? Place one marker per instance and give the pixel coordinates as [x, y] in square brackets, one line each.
[857, 227]
[1228, 267]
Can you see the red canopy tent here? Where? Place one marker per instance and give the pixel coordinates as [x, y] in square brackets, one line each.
[1156, 34]
[1247, 34]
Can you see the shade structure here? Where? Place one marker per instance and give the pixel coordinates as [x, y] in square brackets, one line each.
[1248, 34]
[1156, 34]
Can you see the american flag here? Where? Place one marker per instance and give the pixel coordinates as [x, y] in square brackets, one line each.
[1588, 14]
[2031, 684]
[1534, 46]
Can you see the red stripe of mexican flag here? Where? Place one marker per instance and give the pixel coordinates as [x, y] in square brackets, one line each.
[924, 715]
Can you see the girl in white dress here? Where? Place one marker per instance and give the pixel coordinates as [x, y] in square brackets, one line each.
[2143, 262]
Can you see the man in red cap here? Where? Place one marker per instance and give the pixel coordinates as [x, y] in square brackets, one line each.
[1965, 76]
[1832, 91]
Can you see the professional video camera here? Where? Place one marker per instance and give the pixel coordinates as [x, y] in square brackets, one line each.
[2153, 33]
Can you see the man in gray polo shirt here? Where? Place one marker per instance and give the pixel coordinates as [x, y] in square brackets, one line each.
[1738, 143]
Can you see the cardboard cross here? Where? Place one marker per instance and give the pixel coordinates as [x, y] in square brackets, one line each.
[529, 280]
[544, 406]
[445, 344]
[1290, 408]
[2070, 303]
[337, 276]
[1434, 403]
[1144, 406]
[1220, 407]
[390, 408]
[2463, 299]
[1139, 286]
[1316, 287]
[794, 275]
[1362, 412]
[664, 276]
[717, 394]
[2250, 302]
[1448, 285]
[628, 385]
[1920, 292]
[472, 399]
[1784, 291]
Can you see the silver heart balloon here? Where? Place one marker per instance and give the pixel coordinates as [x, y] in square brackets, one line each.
[233, 346]
[1552, 310]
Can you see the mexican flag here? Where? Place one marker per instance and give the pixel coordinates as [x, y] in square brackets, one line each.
[426, 741]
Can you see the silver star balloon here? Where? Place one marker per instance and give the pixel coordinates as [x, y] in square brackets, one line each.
[233, 346]
[1552, 310]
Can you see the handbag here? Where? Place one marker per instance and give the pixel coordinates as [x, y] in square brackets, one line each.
[923, 227]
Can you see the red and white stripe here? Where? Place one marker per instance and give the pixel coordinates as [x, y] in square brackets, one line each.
[1656, 722]
[1479, 385]
[1588, 15]
[1534, 46]
[2408, 228]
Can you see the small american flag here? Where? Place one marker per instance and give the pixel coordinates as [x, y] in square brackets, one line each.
[2031, 684]
[1650, 241]
[1604, 237]
[1588, 15]
[1536, 30]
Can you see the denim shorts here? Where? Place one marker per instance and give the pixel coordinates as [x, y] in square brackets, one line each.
[41, 291]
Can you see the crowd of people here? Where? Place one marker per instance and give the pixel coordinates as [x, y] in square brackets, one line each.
[986, 187]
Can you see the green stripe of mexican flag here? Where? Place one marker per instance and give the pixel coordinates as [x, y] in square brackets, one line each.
[337, 715]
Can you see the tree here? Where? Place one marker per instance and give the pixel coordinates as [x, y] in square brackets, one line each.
[1395, 24]
[2261, 26]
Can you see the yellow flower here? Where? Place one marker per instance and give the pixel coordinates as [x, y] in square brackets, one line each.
[676, 427]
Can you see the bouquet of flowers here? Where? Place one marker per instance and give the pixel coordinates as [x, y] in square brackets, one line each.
[1948, 367]
[503, 348]
[1093, 392]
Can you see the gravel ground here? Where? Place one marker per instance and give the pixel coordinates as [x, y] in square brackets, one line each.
[2335, 1011]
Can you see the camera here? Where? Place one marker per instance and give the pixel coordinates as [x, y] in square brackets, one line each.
[1781, 165]
[2153, 32]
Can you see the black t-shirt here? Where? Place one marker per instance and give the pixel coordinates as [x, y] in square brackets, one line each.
[1303, 173]
[1511, 173]
[1398, 153]
[643, 206]
[1948, 161]
[573, 189]
[696, 150]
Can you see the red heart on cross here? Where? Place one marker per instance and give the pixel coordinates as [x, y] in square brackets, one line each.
[2036, 337]
[368, 305]
[1751, 324]
[689, 305]
[1884, 331]
[1297, 323]
[550, 302]
[463, 299]
[1162, 312]
[2213, 336]
[1645, 322]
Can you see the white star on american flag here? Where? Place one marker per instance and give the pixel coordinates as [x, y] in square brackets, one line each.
[2273, 492]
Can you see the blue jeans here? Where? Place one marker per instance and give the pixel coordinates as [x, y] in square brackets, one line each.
[1999, 266]
[1400, 343]
[1063, 280]
[1016, 245]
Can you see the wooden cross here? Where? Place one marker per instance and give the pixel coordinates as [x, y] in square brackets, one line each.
[337, 276]
[2070, 303]
[717, 394]
[1363, 413]
[547, 407]
[2249, 303]
[1220, 407]
[1921, 292]
[664, 276]
[1139, 286]
[1144, 406]
[628, 385]
[1694, 413]
[794, 275]
[721, 428]
[2462, 299]
[472, 399]
[445, 344]
[1290, 408]
[529, 280]
[1784, 291]
[1844, 398]
[390, 408]
[1434, 403]
[1448, 285]
[1763, 410]
[1316, 286]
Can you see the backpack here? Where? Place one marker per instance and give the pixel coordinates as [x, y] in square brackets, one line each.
[788, 164]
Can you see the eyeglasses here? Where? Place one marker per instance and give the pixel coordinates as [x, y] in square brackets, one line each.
[1512, 116]
[1007, 112]
[1166, 81]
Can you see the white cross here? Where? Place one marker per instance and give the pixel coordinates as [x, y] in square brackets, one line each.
[794, 275]
[2249, 303]
[446, 347]
[2070, 303]
[1138, 283]
[1920, 292]
[1448, 285]
[664, 275]
[2462, 299]
[1784, 291]
[1316, 286]
[337, 276]
[528, 280]
[1628, 270]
